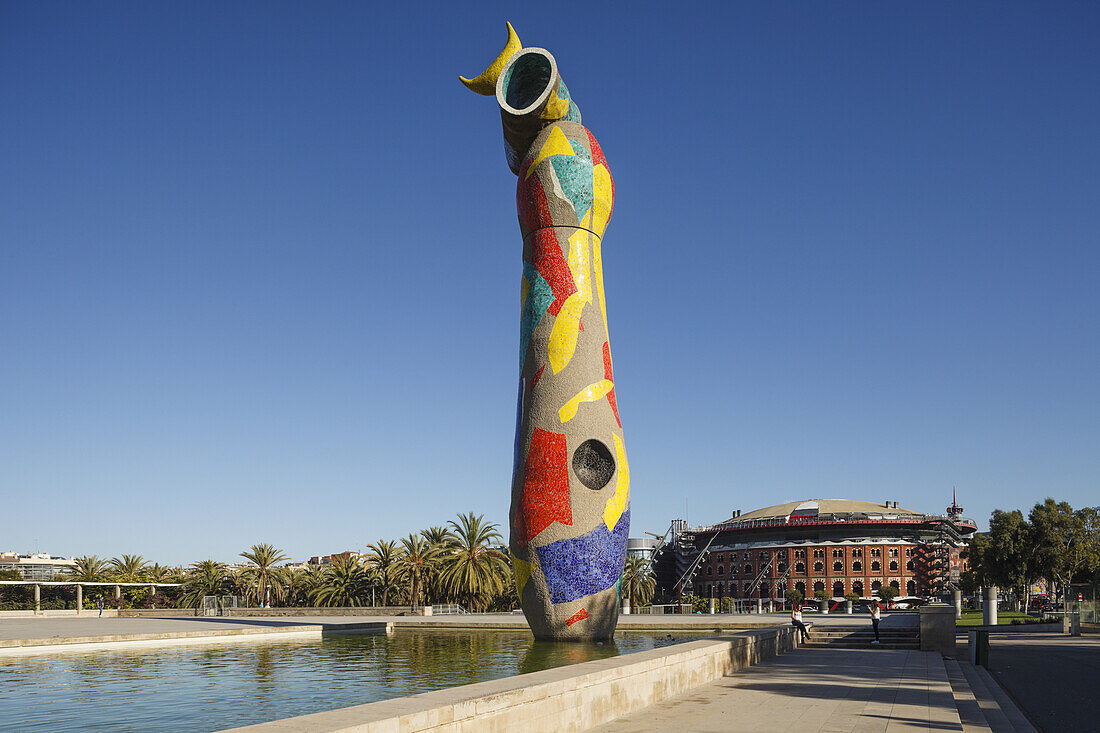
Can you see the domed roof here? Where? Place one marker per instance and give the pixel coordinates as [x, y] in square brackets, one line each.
[813, 507]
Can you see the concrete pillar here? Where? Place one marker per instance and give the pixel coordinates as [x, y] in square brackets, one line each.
[989, 606]
[37, 598]
[118, 597]
[848, 607]
[1071, 623]
[825, 607]
[79, 598]
[759, 606]
[771, 606]
[712, 606]
[937, 628]
[957, 598]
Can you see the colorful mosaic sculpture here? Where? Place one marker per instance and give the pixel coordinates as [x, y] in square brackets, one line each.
[570, 512]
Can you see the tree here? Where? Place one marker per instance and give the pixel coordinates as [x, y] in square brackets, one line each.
[264, 580]
[381, 562]
[345, 583]
[1064, 543]
[794, 596]
[887, 593]
[205, 578]
[1009, 556]
[416, 564]
[638, 580]
[442, 539]
[302, 585]
[128, 568]
[474, 571]
[88, 569]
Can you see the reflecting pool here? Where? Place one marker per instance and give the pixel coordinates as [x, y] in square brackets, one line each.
[210, 687]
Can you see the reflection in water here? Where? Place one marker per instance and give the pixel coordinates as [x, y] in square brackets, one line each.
[209, 687]
[547, 654]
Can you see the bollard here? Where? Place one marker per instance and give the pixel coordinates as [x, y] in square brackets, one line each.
[957, 597]
[825, 607]
[759, 606]
[1071, 623]
[979, 647]
[79, 598]
[37, 598]
[771, 606]
[848, 607]
[937, 628]
[989, 606]
[711, 606]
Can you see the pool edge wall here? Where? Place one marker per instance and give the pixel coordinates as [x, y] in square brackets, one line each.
[573, 697]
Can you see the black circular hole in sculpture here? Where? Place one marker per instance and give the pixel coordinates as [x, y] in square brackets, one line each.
[593, 464]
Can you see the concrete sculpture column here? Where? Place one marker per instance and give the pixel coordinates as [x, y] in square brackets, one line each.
[570, 510]
[37, 598]
[957, 599]
[79, 598]
[848, 607]
[989, 607]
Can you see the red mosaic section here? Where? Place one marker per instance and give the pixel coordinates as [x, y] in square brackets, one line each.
[545, 495]
[531, 205]
[580, 615]
[548, 259]
[610, 375]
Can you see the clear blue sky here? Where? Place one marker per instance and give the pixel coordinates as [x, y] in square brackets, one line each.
[259, 262]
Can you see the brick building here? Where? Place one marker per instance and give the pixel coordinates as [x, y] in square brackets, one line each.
[833, 545]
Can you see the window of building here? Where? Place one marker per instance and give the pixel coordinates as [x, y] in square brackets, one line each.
[819, 553]
[838, 567]
[876, 566]
[893, 552]
[876, 552]
[909, 566]
[857, 566]
[838, 552]
[745, 556]
[748, 570]
[800, 567]
[894, 585]
[875, 585]
[838, 589]
[721, 570]
[782, 567]
[710, 570]
[857, 587]
[819, 567]
[800, 587]
[857, 552]
[893, 565]
[818, 586]
[909, 552]
[763, 556]
[800, 553]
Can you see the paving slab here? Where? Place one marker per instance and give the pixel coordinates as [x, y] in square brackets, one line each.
[827, 690]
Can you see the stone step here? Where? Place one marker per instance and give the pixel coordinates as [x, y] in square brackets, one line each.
[861, 645]
[1001, 715]
[970, 712]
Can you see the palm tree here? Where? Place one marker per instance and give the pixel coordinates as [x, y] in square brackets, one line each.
[638, 579]
[158, 573]
[302, 583]
[474, 570]
[416, 564]
[346, 583]
[264, 579]
[443, 540]
[128, 568]
[88, 569]
[205, 578]
[381, 562]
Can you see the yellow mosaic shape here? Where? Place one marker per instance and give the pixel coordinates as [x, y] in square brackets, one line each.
[567, 325]
[617, 504]
[485, 83]
[603, 198]
[556, 144]
[523, 570]
[591, 393]
[555, 108]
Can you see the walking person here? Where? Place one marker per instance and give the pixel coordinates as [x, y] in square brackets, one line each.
[876, 616]
[796, 621]
[99, 605]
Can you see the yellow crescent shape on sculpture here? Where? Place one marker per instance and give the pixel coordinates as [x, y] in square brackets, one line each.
[485, 83]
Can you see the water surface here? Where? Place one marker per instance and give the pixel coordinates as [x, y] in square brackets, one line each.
[210, 687]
